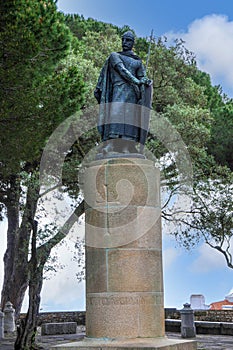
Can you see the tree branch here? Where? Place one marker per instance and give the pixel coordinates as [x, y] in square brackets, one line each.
[45, 249]
[227, 256]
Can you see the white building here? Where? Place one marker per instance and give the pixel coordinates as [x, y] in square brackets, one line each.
[197, 302]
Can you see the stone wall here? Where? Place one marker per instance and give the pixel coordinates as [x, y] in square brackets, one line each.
[203, 315]
[56, 317]
[214, 315]
[171, 313]
[202, 327]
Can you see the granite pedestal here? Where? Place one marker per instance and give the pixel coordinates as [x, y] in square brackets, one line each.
[124, 282]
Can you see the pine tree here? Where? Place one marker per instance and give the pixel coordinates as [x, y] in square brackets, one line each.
[36, 96]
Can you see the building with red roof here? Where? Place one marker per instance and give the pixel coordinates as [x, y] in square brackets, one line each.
[226, 304]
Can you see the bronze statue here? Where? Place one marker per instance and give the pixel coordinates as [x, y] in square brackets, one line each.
[123, 86]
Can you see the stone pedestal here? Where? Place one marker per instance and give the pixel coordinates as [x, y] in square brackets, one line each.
[9, 320]
[124, 282]
[124, 286]
[188, 329]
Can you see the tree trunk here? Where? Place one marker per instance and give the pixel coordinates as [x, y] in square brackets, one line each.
[28, 327]
[27, 330]
[16, 273]
[12, 206]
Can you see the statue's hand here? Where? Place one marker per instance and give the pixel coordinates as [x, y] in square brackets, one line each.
[145, 81]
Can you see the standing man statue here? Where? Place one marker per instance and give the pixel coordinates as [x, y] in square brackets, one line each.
[121, 89]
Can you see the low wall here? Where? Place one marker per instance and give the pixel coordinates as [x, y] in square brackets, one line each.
[56, 317]
[202, 327]
[203, 315]
[206, 321]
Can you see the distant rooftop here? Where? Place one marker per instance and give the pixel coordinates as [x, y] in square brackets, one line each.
[219, 305]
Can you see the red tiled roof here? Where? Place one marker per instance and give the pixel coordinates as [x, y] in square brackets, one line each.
[218, 304]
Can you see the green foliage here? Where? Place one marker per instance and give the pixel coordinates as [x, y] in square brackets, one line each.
[221, 143]
[171, 70]
[181, 99]
[100, 45]
[193, 124]
[213, 93]
[34, 39]
[81, 26]
[141, 47]
[35, 97]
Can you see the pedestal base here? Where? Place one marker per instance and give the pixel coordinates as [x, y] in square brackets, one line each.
[131, 344]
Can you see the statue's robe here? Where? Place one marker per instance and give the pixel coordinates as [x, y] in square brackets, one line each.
[121, 99]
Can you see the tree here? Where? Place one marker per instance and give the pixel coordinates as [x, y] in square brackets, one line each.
[39, 256]
[182, 101]
[36, 97]
[39, 90]
[203, 118]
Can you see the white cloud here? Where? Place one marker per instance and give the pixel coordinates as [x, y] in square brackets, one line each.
[208, 260]
[169, 256]
[63, 291]
[211, 40]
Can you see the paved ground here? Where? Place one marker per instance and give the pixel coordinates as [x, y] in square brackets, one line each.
[205, 342]
[210, 342]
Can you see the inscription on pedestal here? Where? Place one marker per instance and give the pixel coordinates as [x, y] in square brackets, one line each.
[124, 300]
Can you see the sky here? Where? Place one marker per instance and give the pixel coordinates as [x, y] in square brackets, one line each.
[207, 28]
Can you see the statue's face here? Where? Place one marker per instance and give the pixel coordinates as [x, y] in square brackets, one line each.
[127, 43]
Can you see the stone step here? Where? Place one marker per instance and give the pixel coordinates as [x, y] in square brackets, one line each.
[131, 344]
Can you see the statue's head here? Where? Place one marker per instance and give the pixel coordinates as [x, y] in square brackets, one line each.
[127, 40]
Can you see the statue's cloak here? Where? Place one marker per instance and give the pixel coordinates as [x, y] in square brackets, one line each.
[125, 117]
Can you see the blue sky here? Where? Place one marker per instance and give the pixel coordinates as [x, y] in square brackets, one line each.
[207, 28]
